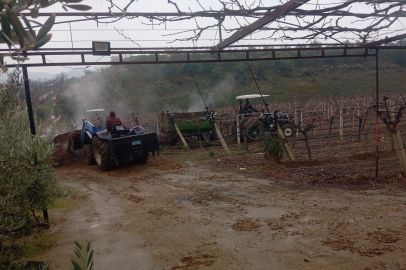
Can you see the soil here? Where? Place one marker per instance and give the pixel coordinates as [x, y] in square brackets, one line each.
[187, 210]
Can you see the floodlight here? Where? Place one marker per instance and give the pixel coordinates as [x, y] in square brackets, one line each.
[101, 48]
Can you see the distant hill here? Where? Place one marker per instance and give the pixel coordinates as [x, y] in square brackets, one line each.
[33, 75]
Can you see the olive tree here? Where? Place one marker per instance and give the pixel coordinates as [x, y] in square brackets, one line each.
[27, 185]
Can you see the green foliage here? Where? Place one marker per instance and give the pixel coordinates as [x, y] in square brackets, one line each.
[284, 67]
[26, 184]
[212, 154]
[83, 259]
[41, 114]
[273, 147]
[66, 105]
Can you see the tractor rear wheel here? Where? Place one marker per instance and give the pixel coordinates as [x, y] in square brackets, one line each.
[254, 130]
[101, 154]
[141, 159]
[88, 154]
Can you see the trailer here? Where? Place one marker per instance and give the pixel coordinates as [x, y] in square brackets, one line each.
[192, 125]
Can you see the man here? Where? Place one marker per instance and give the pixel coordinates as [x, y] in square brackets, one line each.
[112, 121]
[248, 107]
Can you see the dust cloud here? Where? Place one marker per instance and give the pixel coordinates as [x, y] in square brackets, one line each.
[221, 91]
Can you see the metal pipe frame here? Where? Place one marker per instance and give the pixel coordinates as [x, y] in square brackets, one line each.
[246, 55]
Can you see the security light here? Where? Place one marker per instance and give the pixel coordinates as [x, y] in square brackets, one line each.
[101, 48]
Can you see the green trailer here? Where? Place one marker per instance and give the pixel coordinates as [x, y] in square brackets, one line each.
[194, 125]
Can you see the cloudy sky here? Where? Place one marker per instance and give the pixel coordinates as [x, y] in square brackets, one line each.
[83, 33]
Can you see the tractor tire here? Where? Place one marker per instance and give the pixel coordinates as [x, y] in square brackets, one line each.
[288, 130]
[254, 131]
[88, 154]
[101, 154]
[141, 159]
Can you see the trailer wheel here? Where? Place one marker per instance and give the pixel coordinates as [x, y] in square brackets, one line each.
[141, 159]
[254, 130]
[88, 154]
[288, 130]
[101, 154]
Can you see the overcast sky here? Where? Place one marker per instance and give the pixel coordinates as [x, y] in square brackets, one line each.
[83, 33]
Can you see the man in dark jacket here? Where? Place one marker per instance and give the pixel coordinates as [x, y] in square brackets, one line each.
[112, 121]
[248, 108]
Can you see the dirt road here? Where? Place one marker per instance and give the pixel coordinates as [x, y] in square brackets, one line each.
[177, 214]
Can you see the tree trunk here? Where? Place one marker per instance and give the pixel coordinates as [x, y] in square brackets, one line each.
[309, 151]
[359, 127]
[400, 151]
[331, 120]
[341, 125]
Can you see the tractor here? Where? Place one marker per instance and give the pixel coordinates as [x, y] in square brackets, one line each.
[106, 149]
[255, 122]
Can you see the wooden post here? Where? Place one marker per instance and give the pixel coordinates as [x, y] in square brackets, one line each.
[238, 130]
[157, 128]
[341, 125]
[287, 147]
[400, 150]
[180, 135]
[223, 143]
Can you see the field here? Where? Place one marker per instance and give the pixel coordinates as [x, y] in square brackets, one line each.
[198, 208]
[188, 210]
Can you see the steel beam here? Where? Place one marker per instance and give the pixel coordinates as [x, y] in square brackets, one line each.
[221, 55]
[269, 17]
[186, 61]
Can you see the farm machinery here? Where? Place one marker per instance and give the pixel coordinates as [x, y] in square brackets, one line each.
[192, 125]
[254, 123]
[106, 149]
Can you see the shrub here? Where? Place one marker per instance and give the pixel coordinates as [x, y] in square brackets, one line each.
[273, 147]
[27, 186]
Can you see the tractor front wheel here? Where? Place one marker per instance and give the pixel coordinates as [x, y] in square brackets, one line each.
[288, 130]
[88, 154]
[141, 159]
[101, 154]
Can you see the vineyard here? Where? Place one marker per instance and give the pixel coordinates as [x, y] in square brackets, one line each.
[325, 128]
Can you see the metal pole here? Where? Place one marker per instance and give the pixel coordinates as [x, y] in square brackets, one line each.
[31, 116]
[28, 99]
[377, 114]
[259, 90]
[32, 123]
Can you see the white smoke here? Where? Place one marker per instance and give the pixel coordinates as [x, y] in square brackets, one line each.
[221, 91]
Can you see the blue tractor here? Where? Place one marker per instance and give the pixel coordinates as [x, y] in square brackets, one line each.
[106, 149]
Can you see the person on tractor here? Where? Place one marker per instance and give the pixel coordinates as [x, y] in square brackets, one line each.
[112, 121]
[248, 108]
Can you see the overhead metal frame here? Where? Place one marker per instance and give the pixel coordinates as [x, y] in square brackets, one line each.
[195, 56]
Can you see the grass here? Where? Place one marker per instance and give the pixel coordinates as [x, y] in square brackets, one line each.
[38, 245]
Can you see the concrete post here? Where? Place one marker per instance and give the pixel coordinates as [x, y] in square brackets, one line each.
[220, 136]
[400, 150]
[287, 147]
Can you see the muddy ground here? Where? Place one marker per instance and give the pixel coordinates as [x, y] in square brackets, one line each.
[187, 210]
